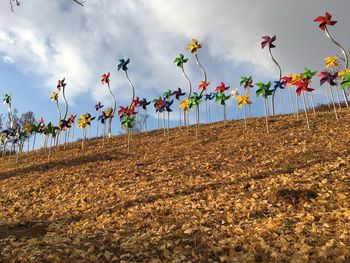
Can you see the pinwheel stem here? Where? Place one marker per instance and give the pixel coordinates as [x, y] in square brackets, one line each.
[180, 115]
[98, 123]
[280, 77]
[128, 135]
[306, 114]
[197, 120]
[342, 49]
[225, 114]
[266, 118]
[114, 109]
[345, 98]
[332, 98]
[328, 99]
[158, 120]
[203, 70]
[188, 80]
[64, 97]
[34, 141]
[73, 133]
[10, 115]
[168, 127]
[146, 120]
[297, 105]
[65, 139]
[312, 103]
[245, 117]
[281, 99]
[131, 85]
[164, 122]
[291, 99]
[206, 112]
[338, 99]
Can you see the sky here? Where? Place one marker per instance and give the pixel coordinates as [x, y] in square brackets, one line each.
[43, 41]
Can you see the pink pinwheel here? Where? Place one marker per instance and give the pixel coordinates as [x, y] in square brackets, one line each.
[41, 121]
[268, 41]
[222, 87]
[61, 84]
[105, 78]
[324, 21]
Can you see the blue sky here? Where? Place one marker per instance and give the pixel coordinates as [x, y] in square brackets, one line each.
[43, 41]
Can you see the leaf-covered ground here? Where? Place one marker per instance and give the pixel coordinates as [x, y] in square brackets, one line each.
[234, 195]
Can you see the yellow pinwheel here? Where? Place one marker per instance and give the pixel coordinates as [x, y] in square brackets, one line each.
[184, 105]
[295, 78]
[83, 121]
[343, 73]
[54, 96]
[243, 100]
[331, 61]
[194, 46]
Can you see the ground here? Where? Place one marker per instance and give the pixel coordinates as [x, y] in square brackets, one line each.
[233, 195]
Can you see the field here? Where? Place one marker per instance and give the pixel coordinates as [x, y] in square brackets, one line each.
[234, 195]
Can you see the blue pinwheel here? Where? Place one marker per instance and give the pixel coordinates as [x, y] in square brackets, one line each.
[123, 64]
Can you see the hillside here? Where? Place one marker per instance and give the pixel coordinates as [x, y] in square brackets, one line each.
[234, 195]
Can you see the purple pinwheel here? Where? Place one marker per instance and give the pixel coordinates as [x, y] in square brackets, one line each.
[178, 93]
[268, 41]
[144, 103]
[328, 77]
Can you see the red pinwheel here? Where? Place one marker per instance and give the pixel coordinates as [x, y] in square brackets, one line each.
[286, 80]
[303, 85]
[136, 102]
[324, 21]
[105, 78]
[203, 86]
[41, 121]
[268, 41]
[222, 87]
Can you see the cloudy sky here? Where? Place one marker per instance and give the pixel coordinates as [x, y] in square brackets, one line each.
[43, 41]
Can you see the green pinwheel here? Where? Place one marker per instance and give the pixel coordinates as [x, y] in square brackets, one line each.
[345, 81]
[264, 90]
[8, 100]
[221, 98]
[195, 100]
[168, 94]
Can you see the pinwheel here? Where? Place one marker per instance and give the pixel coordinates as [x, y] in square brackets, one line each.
[98, 108]
[105, 80]
[62, 85]
[326, 21]
[184, 106]
[345, 81]
[222, 87]
[203, 86]
[127, 116]
[8, 100]
[264, 90]
[303, 85]
[247, 83]
[143, 104]
[234, 93]
[157, 104]
[243, 100]
[168, 94]
[166, 104]
[207, 99]
[329, 78]
[309, 74]
[178, 93]
[180, 61]
[71, 120]
[83, 123]
[222, 98]
[268, 41]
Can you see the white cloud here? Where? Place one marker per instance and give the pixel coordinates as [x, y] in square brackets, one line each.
[8, 59]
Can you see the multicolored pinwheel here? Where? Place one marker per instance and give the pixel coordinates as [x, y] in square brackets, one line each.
[178, 93]
[244, 100]
[98, 108]
[268, 41]
[303, 85]
[83, 123]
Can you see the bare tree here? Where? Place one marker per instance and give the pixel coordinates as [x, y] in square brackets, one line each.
[18, 3]
[27, 118]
